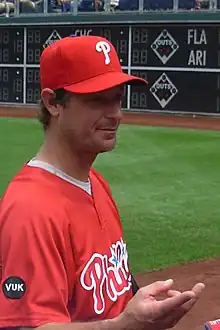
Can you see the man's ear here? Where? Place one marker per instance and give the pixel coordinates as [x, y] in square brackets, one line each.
[48, 98]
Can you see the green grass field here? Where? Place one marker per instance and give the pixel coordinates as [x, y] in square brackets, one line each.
[166, 183]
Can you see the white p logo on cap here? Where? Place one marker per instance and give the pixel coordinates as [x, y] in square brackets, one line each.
[104, 47]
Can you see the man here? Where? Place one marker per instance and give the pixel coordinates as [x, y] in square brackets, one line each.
[111, 5]
[97, 5]
[6, 7]
[63, 256]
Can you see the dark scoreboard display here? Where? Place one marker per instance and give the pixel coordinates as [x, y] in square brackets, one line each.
[180, 62]
[180, 46]
[11, 45]
[39, 38]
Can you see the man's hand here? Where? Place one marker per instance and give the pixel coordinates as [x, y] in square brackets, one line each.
[144, 311]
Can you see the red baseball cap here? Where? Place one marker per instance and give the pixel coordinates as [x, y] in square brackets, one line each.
[85, 64]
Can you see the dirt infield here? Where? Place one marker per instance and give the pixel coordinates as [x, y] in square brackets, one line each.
[197, 122]
[208, 308]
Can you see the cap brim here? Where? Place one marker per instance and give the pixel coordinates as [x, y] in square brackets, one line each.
[103, 82]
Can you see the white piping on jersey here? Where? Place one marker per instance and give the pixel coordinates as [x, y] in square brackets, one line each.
[86, 186]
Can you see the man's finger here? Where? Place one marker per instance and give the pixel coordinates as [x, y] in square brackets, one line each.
[173, 309]
[156, 288]
[165, 307]
[197, 289]
[173, 293]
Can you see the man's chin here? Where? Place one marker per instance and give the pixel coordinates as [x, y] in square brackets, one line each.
[108, 146]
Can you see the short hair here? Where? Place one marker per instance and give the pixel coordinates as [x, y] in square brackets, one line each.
[61, 97]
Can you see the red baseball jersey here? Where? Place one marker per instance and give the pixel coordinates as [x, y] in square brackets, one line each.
[62, 253]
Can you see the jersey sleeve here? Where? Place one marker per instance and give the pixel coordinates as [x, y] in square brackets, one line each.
[33, 266]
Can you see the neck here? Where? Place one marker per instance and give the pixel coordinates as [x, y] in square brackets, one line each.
[74, 163]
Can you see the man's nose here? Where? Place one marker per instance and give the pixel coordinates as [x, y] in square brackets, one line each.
[115, 112]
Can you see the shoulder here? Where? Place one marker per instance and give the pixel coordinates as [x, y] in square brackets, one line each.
[34, 187]
[31, 201]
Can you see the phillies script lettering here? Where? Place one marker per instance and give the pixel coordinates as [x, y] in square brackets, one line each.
[107, 277]
[104, 47]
